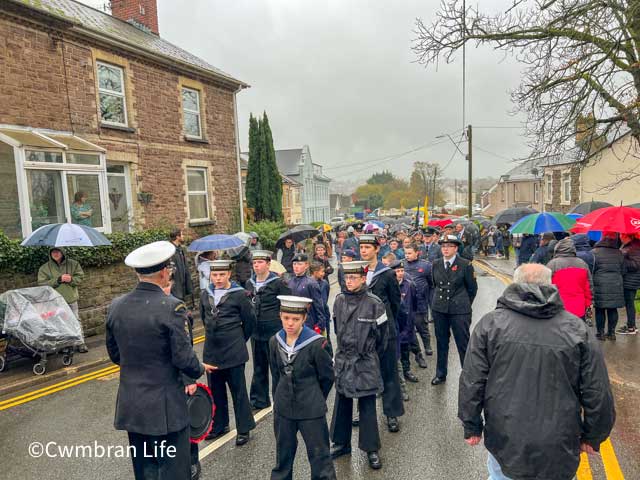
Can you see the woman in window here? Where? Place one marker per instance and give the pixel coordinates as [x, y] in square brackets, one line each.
[81, 211]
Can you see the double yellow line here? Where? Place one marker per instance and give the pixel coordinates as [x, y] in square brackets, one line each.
[57, 387]
[609, 459]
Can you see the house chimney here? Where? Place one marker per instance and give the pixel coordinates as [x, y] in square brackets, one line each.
[140, 13]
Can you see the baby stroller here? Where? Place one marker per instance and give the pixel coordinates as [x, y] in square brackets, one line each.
[37, 322]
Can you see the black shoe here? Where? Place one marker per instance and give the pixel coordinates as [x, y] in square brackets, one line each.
[626, 330]
[195, 471]
[410, 377]
[374, 460]
[438, 380]
[256, 408]
[242, 439]
[421, 361]
[601, 336]
[355, 421]
[611, 336]
[393, 425]
[428, 351]
[213, 435]
[82, 348]
[340, 450]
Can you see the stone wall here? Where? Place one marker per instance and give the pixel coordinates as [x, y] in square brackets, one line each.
[100, 287]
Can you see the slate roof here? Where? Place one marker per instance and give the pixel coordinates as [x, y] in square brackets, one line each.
[288, 161]
[111, 27]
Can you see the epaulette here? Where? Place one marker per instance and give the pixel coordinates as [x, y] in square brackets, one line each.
[180, 308]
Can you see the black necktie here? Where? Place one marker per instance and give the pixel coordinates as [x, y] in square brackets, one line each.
[447, 265]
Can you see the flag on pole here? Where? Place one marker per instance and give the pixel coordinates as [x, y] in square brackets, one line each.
[426, 210]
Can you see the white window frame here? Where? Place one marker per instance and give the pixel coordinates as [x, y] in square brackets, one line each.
[549, 188]
[536, 193]
[23, 165]
[127, 187]
[198, 113]
[566, 180]
[198, 192]
[122, 94]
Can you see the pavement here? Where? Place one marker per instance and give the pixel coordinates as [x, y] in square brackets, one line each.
[78, 411]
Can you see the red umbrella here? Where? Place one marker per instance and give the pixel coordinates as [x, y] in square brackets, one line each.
[440, 223]
[610, 219]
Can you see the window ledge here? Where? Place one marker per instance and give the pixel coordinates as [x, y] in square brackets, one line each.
[201, 223]
[196, 140]
[118, 127]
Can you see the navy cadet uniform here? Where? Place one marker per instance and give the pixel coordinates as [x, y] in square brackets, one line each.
[383, 284]
[455, 289]
[361, 329]
[305, 286]
[229, 321]
[147, 335]
[419, 271]
[303, 377]
[267, 308]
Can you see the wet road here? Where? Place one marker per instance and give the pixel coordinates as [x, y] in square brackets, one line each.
[430, 445]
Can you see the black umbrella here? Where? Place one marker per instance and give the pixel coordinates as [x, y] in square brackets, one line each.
[297, 234]
[512, 215]
[588, 207]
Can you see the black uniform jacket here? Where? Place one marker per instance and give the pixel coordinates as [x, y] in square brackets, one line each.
[455, 288]
[361, 328]
[267, 306]
[228, 326]
[303, 375]
[148, 336]
[384, 285]
[182, 284]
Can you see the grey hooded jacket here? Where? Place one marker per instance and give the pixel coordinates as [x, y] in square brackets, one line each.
[538, 374]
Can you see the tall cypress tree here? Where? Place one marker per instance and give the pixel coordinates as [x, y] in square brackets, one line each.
[253, 169]
[273, 194]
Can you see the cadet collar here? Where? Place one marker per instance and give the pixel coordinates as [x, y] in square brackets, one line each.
[234, 288]
[306, 337]
[380, 268]
[270, 278]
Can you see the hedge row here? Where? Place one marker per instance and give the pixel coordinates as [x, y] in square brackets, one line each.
[268, 232]
[17, 259]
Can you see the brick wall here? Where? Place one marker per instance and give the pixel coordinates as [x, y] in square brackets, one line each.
[144, 12]
[38, 68]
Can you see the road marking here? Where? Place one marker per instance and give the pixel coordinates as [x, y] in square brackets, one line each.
[60, 386]
[611, 465]
[220, 442]
[607, 453]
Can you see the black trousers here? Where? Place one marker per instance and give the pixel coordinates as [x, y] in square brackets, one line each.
[630, 306]
[259, 392]
[445, 323]
[218, 381]
[152, 463]
[368, 435]
[392, 404]
[604, 314]
[422, 328]
[315, 434]
[405, 356]
[507, 251]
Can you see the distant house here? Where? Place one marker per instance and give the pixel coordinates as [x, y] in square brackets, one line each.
[291, 194]
[340, 204]
[519, 187]
[298, 165]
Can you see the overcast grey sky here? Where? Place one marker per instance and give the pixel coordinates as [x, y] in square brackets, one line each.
[339, 76]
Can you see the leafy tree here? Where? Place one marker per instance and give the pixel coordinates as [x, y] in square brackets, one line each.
[273, 193]
[426, 179]
[253, 168]
[581, 82]
[381, 178]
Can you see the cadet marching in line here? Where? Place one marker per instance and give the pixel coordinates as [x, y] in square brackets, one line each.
[287, 320]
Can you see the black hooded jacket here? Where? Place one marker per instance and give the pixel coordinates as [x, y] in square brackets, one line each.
[538, 374]
[608, 274]
[267, 306]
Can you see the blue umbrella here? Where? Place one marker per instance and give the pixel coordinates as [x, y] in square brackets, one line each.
[593, 234]
[65, 235]
[575, 216]
[215, 242]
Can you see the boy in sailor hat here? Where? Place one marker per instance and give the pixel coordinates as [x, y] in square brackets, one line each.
[361, 331]
[303, 376]
[229, 321]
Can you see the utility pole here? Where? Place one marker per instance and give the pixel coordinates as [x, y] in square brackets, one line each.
[455, 191]
[470, 160]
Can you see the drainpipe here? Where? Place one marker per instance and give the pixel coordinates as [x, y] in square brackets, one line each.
[235, 113]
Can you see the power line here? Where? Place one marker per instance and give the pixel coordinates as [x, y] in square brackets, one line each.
[492, 153]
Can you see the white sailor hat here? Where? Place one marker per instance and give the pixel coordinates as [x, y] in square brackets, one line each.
[451, 239]
[261, 254]
[293, 304]
[369, 239]
[355, 267]
[151, 258]
[220, 265]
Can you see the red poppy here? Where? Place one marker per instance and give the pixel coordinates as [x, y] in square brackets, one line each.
[454, 268]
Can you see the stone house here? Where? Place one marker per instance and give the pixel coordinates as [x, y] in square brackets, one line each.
[519, 187]
[100, 105]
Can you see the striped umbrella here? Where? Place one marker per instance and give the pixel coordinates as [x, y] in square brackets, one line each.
[543, 222]
[65, 235]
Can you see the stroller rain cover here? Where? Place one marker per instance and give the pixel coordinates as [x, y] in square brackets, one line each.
[40, 318]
